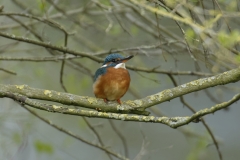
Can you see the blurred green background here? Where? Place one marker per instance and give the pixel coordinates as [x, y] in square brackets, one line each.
[94, 30]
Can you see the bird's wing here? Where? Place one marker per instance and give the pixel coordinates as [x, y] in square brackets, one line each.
[99, 72]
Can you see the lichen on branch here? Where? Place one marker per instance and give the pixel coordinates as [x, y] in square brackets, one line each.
[27, 95]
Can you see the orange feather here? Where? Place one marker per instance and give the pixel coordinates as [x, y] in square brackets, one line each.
[112, 85]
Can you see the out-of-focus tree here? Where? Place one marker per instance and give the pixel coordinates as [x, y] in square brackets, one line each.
[181, 50]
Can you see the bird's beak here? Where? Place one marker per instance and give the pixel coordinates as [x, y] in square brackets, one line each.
[126, 59]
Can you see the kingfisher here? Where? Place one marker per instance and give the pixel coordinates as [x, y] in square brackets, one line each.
[112, 80]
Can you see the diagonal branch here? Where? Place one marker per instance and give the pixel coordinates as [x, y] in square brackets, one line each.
[89, 55]
[8, 71]
[230, 76]
[133, 107]
[173, 122]
[74, 135]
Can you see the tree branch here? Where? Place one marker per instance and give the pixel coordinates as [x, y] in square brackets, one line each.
[8, 71]
[79, 54]
[230, 76]
[26, 94]
[173, 122]
[119, 156]
[131, 107]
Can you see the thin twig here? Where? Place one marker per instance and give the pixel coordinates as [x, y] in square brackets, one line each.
[159, 34]
[125, 146]
[39, 59]
[95, 58]
[117, 155]
[202, 119]
[8, 71]
[96, 134]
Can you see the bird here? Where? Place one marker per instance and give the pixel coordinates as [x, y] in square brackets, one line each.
[112, 79]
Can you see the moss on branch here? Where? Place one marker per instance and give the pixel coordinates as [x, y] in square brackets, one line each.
[26, 95]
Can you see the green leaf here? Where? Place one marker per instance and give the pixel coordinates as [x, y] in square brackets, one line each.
[197, 149]
[16, 138]
[238, 58]
[116, 30]
[134, 30]
[232, 6]
[190, 35]
[106, 2]
[43, 147]
[228, 39]
[171, 3]
[42, 5]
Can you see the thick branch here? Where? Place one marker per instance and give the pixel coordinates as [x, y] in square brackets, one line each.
[134, 107]
[67, 99]
[173, 122]
[231, 76]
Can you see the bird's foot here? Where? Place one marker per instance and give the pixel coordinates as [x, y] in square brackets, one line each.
[105, 100]
[119, 101]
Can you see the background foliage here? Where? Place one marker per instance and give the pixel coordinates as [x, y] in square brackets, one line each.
[172, 41]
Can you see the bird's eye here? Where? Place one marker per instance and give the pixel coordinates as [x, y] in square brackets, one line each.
[114, 60]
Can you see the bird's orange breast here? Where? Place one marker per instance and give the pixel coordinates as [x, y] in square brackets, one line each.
[113, 84]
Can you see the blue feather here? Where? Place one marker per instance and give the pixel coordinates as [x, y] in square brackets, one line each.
[108, 60]
[103, 70]
[110, 57]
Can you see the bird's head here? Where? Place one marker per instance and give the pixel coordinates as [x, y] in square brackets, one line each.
[115, 59]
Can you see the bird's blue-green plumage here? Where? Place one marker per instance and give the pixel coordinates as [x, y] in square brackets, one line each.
[109, 62]
[103, 70]
[110, 57]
